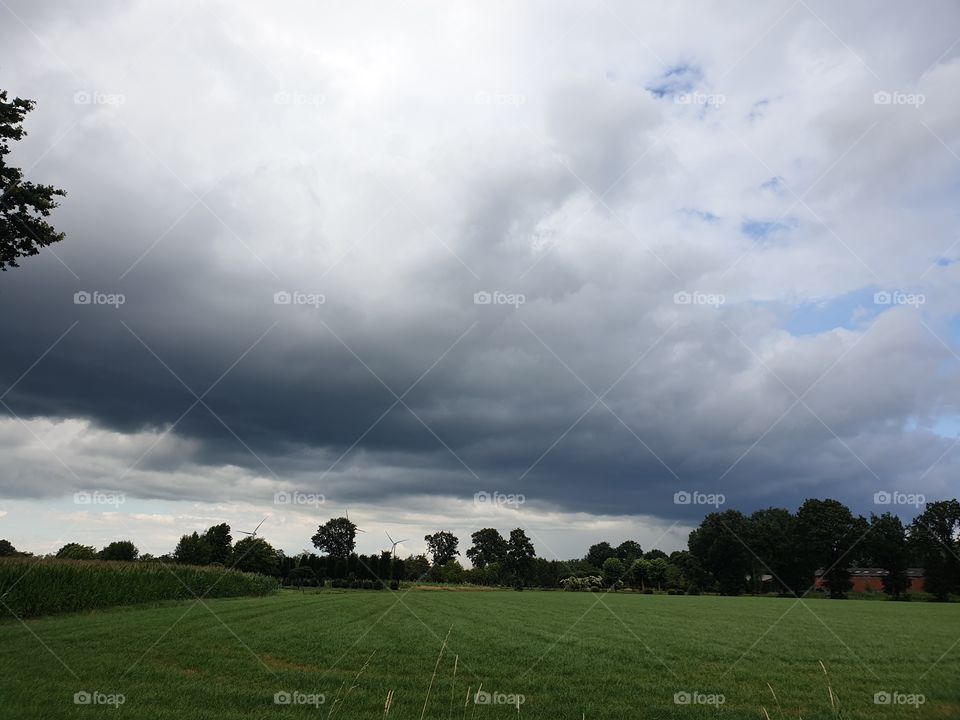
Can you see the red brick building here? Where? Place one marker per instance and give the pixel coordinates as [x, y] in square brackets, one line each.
[866, 579]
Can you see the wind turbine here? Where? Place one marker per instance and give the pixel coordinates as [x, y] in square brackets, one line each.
[393, 547]
[254, 533]
[347, 512]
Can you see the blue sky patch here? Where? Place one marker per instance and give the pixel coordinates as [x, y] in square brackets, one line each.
[762, 229]
[759, 109]
[680, 78]
[851, 312]
[774, 184]
[701, 215]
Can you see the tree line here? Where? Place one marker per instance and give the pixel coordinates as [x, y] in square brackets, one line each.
[780, 551]
[769, 551]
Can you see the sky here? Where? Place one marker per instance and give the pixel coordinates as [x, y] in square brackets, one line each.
[591, 269]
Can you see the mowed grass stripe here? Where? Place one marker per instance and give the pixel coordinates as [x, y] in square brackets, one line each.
[317, 642]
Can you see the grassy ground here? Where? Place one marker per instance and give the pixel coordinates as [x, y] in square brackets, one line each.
[571, 655]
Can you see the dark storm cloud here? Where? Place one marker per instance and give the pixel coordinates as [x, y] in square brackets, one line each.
[202, 195]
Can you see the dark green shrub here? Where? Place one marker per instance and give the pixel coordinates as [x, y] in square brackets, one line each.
[302, 576]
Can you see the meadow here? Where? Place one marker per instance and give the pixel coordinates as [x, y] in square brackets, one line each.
[340, 653]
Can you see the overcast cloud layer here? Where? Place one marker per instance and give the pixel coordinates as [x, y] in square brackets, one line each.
[720, 250]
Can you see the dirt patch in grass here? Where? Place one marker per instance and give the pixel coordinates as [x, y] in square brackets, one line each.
[456, 588]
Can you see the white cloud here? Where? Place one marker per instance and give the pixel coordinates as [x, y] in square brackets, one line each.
[399, 160]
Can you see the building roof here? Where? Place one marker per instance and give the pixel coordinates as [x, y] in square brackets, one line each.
[874, 572]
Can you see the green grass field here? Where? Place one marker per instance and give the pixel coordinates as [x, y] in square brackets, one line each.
[571, 655]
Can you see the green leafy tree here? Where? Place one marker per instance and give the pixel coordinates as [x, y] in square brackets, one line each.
[192, 549]
[488, 547]
[337, 537]
[692, 573]
[24, 206]
[613, 571]
[398, 569]
[8, 550]
[442, 546]
[76, 551]
[638, 574]
[120, 550]
[600, 552]
[659, 569]
[935, 538]
[254, 554]
[718, 544]
[301, 576]
[219, 541]
[417, 567]
[829, 535]
[674, 578]
[628, 551]
[490, 574]
[776, 550]
[452, 572]
[887, 548]
[520, 555]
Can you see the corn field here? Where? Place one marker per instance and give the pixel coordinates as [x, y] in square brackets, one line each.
[30, 587]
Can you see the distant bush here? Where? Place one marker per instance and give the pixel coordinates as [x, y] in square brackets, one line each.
[302, 576]
[647, 591]
[32, 587]
[588, 583]
[76, 551]
[693, 590]
[394, 585]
